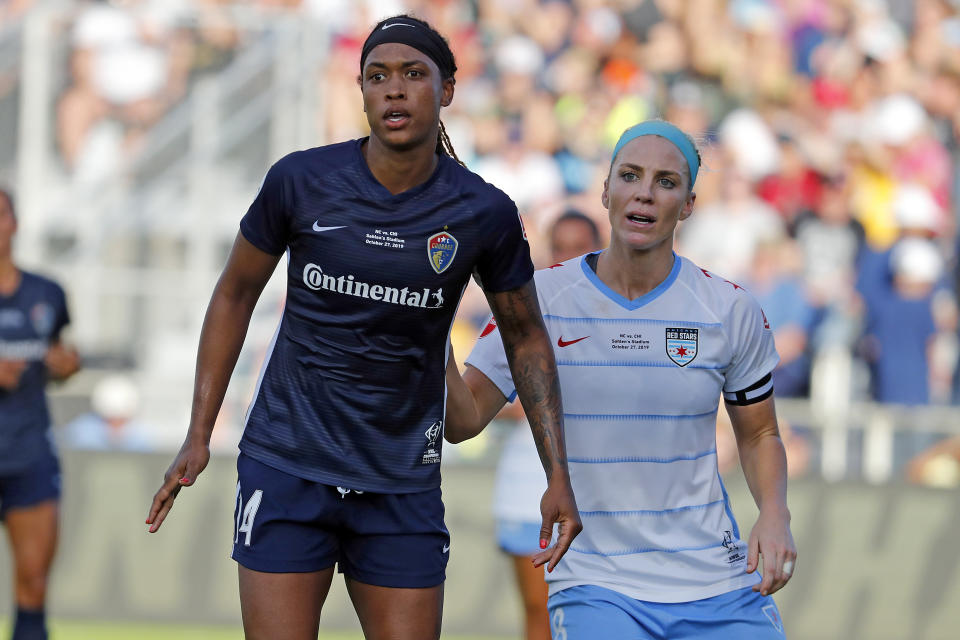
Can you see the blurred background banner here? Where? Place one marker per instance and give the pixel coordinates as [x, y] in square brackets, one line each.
[876, 562]
[135, 133]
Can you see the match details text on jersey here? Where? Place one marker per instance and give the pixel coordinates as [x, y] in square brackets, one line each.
[380, 238]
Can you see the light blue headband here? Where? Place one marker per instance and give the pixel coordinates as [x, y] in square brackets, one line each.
[664, 130]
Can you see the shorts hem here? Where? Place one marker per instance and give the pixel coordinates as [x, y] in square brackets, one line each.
[26, 504]
[397, 581]
[281, 566]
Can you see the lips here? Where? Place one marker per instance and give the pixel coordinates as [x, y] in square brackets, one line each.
[641, 219]
[396, 118]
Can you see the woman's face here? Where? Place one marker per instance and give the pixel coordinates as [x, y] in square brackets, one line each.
[8, 224]
[571, 238]
[402, 95]
[647, 193]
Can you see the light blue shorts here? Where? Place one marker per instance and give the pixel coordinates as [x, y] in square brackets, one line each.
[587, 612]
[518, 538]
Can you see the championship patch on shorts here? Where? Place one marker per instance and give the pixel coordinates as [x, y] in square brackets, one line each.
[773, 616]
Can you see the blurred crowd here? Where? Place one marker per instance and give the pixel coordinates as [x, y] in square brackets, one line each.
[129, 64]
[829, 129]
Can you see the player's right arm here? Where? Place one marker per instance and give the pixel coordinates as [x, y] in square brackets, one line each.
[224, 328]
[472, 402]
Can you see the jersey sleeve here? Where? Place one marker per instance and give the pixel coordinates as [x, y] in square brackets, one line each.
[748, 377]
[61, 312]
[505, 263]
[265, 224]
[490, 359]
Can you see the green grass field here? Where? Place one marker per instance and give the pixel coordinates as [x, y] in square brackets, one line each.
[60, 630]
[67, 630]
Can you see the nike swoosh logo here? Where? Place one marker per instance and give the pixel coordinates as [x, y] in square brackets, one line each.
[318, 228]
[562, 343]
[446, 548]
[395, 24]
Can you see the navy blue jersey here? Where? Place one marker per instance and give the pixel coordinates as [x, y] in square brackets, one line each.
[30, 320]
[353, 391]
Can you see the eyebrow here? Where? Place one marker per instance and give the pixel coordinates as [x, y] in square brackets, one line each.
[405, 65]
[630, 165]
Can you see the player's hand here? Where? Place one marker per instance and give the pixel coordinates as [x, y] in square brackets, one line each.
[183, 472]
[557, 505]
[10, 372]
[771, 538]
[62, 361]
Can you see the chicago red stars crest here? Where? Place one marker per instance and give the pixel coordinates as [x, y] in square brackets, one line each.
[682, 345]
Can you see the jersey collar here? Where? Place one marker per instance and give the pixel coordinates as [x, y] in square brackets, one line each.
[626, 303]
[382, 190]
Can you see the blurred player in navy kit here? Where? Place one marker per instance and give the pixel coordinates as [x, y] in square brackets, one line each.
[339, 458]
[33, 312]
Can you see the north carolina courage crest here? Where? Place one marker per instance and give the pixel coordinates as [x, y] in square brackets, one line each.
[682, 345]
[441, 249]
[42, 316]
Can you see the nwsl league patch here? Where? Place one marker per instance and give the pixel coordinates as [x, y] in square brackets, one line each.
[682, 345]
[441, 249]
[431, 455]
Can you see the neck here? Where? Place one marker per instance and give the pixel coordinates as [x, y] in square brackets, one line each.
[399, 171]
[634, 273]
[9, 275]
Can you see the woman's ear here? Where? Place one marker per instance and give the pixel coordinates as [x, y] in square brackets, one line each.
[687, 209]
[446, 91]
[360, 84]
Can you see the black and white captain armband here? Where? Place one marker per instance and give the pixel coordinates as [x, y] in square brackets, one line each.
[760, 390]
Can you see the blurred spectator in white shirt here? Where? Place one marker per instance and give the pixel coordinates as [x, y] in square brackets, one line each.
[112, 423]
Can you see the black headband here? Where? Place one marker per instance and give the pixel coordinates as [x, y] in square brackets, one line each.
[403, 30]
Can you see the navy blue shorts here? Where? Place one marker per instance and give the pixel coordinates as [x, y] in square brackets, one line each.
[37, 483]
[285, 524]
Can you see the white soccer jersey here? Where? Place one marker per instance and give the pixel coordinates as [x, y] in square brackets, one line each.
[641, 382]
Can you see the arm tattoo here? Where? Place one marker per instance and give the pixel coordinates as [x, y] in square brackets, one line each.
[534, 370]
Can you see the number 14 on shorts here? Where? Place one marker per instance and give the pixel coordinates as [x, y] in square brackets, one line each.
[246, 515]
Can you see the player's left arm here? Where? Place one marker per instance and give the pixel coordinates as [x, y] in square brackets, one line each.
[61, 360]
[764, 463]
[534, 371]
